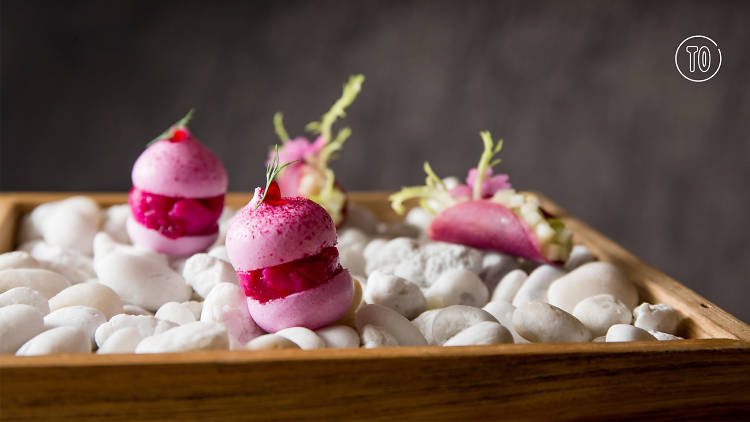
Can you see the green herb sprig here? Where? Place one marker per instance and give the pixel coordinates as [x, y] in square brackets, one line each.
[272, 171]
[180, 123]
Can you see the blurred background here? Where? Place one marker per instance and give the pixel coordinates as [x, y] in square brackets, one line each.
[585, 94]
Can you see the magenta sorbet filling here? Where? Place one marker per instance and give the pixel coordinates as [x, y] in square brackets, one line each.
[176, 217]
[292, 277]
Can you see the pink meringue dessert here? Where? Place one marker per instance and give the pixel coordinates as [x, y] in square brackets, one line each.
[177, 195]
[284, 252]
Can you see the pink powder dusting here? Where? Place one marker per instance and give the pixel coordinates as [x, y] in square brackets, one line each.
[185, 169]
[280, 230]
[176, 217]
[283, 280]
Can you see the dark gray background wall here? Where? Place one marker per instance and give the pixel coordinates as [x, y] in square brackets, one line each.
[585, 94]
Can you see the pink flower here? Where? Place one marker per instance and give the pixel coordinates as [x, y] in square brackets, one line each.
[297, 149]
[490, 184]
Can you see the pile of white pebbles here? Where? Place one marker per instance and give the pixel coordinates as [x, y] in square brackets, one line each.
[76, 285]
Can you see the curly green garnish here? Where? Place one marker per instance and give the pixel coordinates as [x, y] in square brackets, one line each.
[434, 189]
[325, 154]
[278, 125]
[486, 161]
[168, 133]
[330, 198]
[351, 90]
[272, 171]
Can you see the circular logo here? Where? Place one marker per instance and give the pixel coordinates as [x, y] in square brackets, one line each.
[698, 58]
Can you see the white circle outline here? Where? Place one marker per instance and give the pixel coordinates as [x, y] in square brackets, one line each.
[678, 66]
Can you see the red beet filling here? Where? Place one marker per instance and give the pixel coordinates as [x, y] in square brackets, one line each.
[292, 277]
[176, 217]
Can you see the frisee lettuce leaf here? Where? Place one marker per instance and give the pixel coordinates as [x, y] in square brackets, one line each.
[434, 189]
[278, 125]
[325, 154]
[351, 90]
[331, 198]
[486, 161]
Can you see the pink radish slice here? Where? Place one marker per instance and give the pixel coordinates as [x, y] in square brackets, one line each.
[486, 225]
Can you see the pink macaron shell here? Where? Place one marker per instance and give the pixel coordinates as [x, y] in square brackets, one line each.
[312, 308]
[275, 234]
[184, 169]
[181, 246]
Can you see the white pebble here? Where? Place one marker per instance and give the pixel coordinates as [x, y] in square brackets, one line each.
[177, 263]
[361, 218]
[57, 340]
[352, 259]
[503, 313]
[147, 325]
[104, 244]
[141, 281]
[131, 309]
[70, 263]
[72, 224]
[339, 336]
[376, 336]
[451, 320]
[25, 296]
[659, 317]
[495, 266]
[227, 214]
[457, 286]
[501, 310]
[270, 342]
[419, 217]
[114, 223]
[18, 323]
[123, 340]
[396, 293]
[626, 332]
[352, 238]
[219, 252]
[424, 323]
[305, 338]
[483, 333]
[29, 226]
[46, 282]
[176, 312]
[195, 307]
[534, 289]
[387, 255]
[664, 336]
[227, 305]
[600, 312]
[435, 258]
[372, 252]
[405, 333]
[541, 322]
[579, 255]
[588, 280]
[203, 272]
[17, 259]
[509, 285]
[95, 295]
[198, 335]
[84, 318]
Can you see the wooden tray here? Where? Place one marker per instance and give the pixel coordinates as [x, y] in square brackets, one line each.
[707, 376]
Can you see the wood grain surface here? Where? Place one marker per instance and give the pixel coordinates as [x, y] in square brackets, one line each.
[687, 380]
[679, 380]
